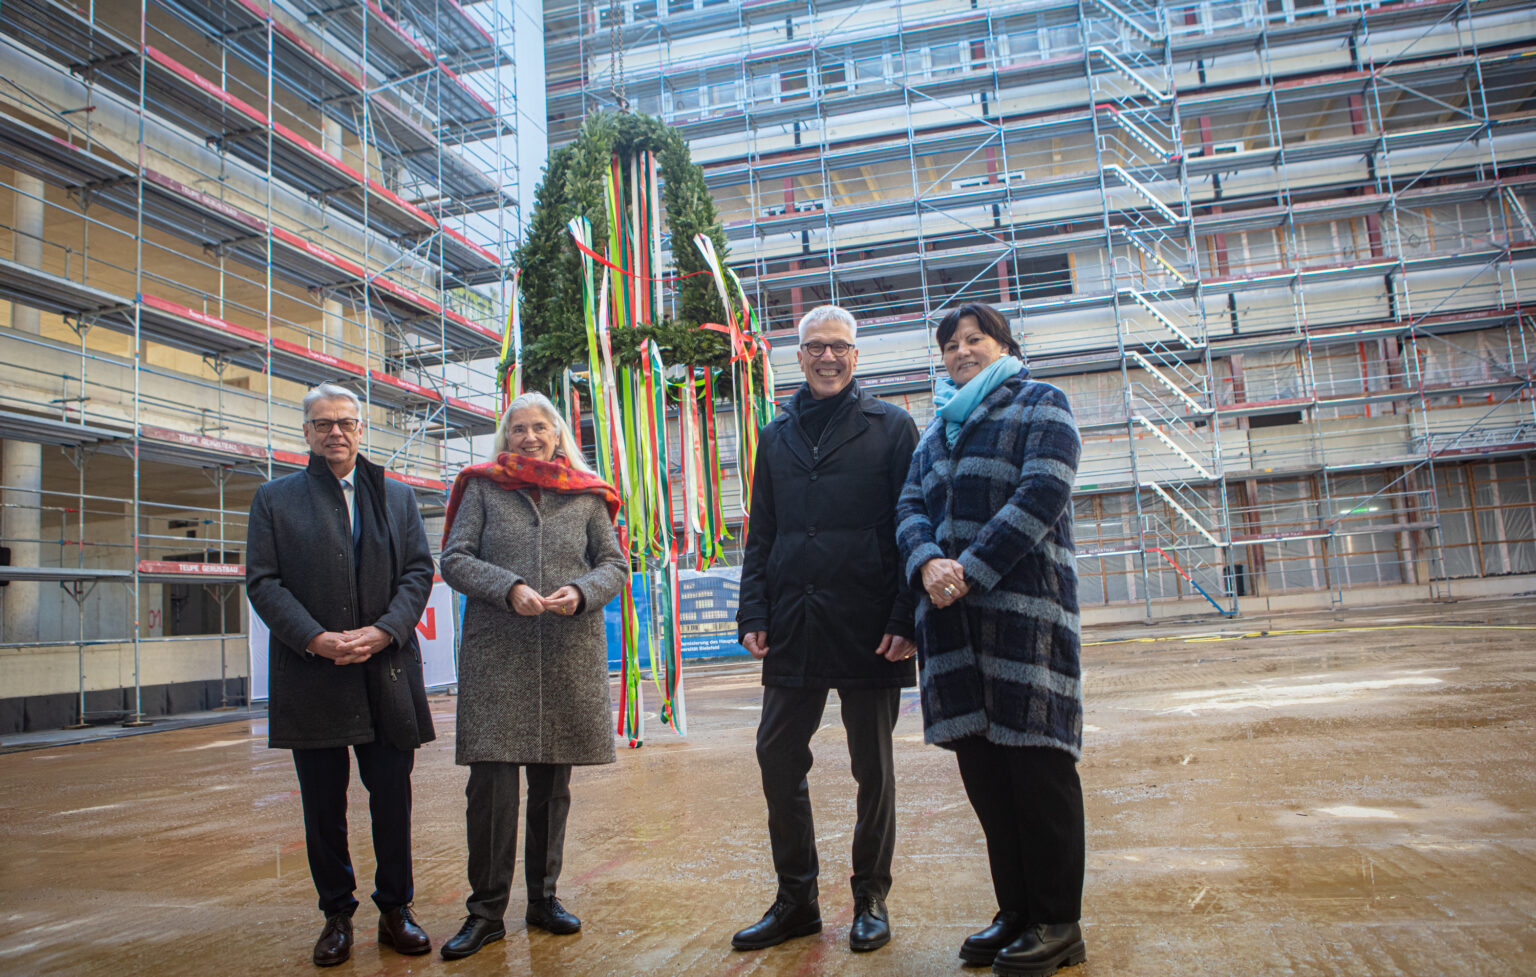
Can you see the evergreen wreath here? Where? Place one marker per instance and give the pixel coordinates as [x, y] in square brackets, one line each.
[554, 327]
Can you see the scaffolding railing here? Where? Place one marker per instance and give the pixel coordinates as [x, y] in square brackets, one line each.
[1293, 256]
[238, 204]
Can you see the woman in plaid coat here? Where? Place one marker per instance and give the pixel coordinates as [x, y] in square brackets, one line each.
[985, 529]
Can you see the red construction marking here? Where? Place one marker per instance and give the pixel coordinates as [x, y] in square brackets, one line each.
[470, 20]
[406, 385]
[602, 869]
[204, 200]
[389, 22]
[383, 284]
[201, 441]
[309, 49]
[418, 481]
[472, 408]
[290, 457]
[467, 90]
[203, 318]
[319, 357]
[1159, 551]
[257, 117]
[177, 68]
[163, 566]
[483, 252]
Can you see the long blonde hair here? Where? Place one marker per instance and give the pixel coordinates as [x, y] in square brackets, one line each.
[567, 444]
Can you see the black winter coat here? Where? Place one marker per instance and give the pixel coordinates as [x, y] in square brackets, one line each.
[302, 579]
[821, 574]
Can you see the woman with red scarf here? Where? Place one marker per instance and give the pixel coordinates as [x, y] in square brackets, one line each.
[529, 541]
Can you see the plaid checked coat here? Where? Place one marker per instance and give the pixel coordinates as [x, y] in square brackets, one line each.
[1002, 662]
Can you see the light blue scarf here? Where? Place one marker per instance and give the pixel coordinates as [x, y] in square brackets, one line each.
[955, 404]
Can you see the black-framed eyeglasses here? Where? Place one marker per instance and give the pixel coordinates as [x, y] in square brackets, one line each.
[814, 349]
[324, 425]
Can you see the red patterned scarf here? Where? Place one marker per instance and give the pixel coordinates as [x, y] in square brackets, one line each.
[511, 471]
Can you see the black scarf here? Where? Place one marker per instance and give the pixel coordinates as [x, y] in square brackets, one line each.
[394, 676]
[815, 415]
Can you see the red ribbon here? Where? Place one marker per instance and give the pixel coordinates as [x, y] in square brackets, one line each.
[608, 264]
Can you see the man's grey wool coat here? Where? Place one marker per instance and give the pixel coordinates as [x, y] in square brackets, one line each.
[532, 689]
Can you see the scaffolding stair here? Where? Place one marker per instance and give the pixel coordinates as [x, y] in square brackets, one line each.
[1167, 381]
[1183, 513]
[1184, 451]
[1145, 300]
[1129, 18]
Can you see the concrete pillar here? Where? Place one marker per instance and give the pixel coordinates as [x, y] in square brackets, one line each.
[332, 322]
[21, 463]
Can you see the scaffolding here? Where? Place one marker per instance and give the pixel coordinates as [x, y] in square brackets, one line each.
[1274, 252]
[218, 204]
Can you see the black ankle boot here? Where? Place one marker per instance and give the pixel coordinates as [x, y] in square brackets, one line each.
[1041, 950]
[979, 948]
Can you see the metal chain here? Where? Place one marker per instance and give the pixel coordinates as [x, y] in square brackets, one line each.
[616, 52]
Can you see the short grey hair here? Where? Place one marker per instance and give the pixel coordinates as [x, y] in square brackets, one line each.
[567, 446]
[835, 313]
[331, 391]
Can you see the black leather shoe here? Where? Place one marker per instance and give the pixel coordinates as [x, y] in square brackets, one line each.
[979, 948]
[335, 943]
[398, 929]
[784, 920]
[1041, 950]
[871, 927]
[547, 914]
[476, 932]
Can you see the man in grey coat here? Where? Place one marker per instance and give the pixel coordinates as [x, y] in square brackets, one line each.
[338, 567]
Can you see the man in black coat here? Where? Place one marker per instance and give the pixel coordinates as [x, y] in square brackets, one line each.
[338, 567]
[824, 605]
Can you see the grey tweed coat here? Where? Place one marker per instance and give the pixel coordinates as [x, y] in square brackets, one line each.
[532, 689]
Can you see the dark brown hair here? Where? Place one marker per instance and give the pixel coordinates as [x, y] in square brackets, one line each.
[988, 319]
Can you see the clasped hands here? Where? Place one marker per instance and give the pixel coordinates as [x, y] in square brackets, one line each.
[944, 580]
[350, 647]
[893, 647]
[527, 602]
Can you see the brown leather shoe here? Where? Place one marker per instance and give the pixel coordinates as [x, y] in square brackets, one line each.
[335, 943]
[398, 929]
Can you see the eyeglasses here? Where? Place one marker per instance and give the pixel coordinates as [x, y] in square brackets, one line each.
[324, 425]
[815, 349]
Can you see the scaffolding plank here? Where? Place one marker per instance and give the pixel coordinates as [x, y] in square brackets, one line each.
[47, 292]
[55, 431]
[463, 42]
[61, 574]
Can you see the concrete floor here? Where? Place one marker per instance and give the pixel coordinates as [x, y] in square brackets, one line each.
[1321, 802]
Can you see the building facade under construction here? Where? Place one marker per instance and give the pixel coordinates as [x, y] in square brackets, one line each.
[208, 207]
[1275, 251]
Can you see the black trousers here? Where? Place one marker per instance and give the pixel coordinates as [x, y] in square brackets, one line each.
[1030, 804]
[323, 776]
[491, 817]
[790, 717]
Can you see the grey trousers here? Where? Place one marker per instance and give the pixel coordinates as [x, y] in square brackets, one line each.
[790, 718]
[491, 817]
